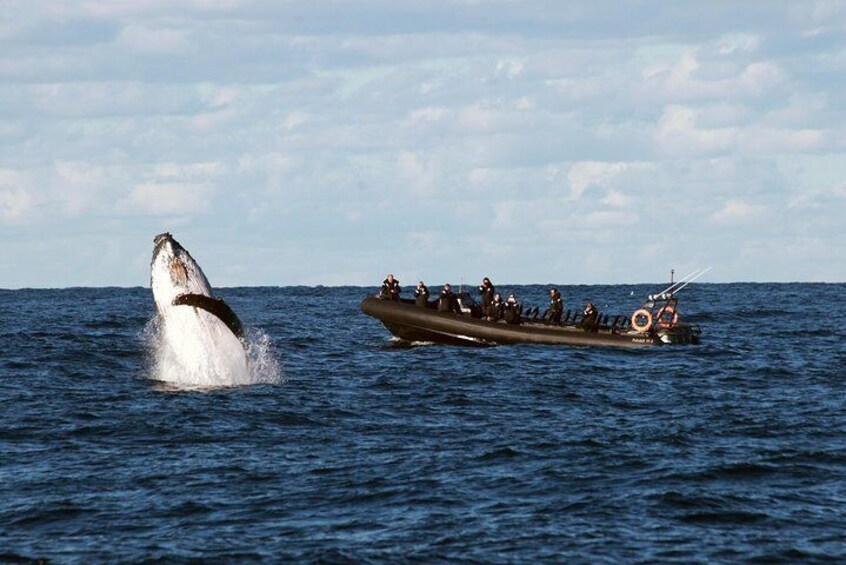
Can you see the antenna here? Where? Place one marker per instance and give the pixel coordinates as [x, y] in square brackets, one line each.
[693, 279]
[677, 286]
[691, 276]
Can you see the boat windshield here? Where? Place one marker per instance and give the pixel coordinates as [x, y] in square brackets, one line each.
[465, 301]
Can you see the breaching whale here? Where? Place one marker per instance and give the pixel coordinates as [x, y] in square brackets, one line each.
[199, 334]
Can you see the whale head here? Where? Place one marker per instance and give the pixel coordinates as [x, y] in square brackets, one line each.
[173, 272]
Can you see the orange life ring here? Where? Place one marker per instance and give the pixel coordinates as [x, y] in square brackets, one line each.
[667, 317]
[642, 328]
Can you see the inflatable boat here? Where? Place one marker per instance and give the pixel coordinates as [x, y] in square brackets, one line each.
[410, 322]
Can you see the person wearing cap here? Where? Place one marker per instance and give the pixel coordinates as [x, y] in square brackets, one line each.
[421, 295]
[390, 288]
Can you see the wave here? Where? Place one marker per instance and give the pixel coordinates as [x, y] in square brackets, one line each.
[724, 517]
[399, 343]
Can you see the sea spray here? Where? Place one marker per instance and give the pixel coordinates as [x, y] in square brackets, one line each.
[164, 365]
[262, 364]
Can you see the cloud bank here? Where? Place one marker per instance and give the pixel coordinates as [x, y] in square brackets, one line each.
[329, 142]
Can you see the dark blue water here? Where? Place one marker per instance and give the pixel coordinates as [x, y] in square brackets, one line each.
[732, 451]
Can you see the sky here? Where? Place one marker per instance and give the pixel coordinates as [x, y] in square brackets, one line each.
[329, 142]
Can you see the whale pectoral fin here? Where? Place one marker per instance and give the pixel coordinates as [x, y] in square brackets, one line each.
[214, 306]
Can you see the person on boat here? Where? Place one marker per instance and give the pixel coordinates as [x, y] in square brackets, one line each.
[487, 291]
[590, 315]
[556, 307]
[390, 288]
[447, 302]
[495, 309]
[512, 310]
[421, 295]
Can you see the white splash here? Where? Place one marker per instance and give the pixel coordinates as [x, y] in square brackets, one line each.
[261, 361]
[181, 364]
[398, 341]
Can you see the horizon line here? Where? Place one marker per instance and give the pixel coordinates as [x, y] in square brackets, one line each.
[376, 285]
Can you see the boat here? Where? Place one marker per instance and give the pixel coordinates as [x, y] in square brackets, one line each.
[655, 323]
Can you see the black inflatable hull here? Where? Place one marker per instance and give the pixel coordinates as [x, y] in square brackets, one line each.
[412, 323]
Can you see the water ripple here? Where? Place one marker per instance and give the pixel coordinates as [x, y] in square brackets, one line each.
[370, 451]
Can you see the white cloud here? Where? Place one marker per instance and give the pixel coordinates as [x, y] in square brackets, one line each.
[743, 43]
[81, 186]
[689, 79]
[509, 68]
[273, 163]
[165, 199]
[775, 140]
[419, 176]
[18, 202]
[295, 119]
[802, 109]
[478, 118]
[761, 78]
[504, 214]
[124, 9]
[171, 170]
[586, 174]
[210, 122]
[609, 218]
[427, 241]
[617, 199]
[426, 115]
[589, 173]
[737, 211]
[145, 39]
[678, 134]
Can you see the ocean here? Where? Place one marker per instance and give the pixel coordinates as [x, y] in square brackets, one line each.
[353, 448]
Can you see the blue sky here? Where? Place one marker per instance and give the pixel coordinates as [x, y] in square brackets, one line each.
[328, 142]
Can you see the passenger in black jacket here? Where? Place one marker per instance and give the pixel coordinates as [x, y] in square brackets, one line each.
[591, 314]
[513, 311]
[390, 288]
[421, 295]
[487, 291]
[447, 302]
[556, 307]
[495, 309]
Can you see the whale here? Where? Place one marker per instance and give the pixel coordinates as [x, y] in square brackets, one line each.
[201, 338]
